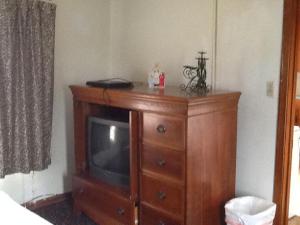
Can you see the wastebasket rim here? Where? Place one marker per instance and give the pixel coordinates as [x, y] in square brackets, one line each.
[238, 199]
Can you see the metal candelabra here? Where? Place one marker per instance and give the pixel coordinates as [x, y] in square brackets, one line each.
[196, 76]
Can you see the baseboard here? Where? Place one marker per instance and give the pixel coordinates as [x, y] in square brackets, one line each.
[47, 201]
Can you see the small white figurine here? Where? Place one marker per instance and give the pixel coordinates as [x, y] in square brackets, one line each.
[156, 78]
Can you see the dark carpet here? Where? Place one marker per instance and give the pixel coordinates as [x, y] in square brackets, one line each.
[62, 214]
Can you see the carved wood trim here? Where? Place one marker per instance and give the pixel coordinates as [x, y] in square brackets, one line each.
[179, 105]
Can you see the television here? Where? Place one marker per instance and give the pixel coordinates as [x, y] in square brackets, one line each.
[109, 150]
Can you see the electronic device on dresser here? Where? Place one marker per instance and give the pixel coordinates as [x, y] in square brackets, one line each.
[108, 151]
[154, 157]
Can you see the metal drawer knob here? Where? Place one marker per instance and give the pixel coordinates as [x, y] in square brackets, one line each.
[161, 223]
[161, 129]
[161, 195]
[161, 162]
[121, 211]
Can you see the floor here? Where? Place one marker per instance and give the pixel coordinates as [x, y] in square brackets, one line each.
[61, 214]
[294, 221]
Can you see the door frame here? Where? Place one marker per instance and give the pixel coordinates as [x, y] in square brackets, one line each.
[286, 113]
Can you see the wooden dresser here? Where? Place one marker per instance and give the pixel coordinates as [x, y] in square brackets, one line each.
[183, 157]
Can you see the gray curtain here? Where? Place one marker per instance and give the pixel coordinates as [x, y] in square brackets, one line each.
[26, 84]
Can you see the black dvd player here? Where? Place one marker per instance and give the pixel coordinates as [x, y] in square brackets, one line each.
[110, 83]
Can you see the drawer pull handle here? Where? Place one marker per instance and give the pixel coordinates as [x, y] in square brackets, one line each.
[81, 191]
[161, 162]
[161, 129]
[161, 223]
[161, 195]
[121, 211]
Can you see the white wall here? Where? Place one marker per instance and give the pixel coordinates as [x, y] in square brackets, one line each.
[81, 53]
[298, 86]
[127, 37]
[168, 32]
[100, 37]
[249, 45]
[248, 55]
[294, 204]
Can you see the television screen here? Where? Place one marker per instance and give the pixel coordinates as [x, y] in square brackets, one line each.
[108, 151]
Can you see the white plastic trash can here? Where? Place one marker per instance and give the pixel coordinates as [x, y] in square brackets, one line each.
[249, 211]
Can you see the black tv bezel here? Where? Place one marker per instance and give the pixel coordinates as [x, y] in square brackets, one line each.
[101, 174]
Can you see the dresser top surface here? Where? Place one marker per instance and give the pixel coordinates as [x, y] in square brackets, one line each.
[169, 92]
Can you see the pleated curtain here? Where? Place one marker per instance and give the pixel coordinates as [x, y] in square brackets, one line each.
[27, 31]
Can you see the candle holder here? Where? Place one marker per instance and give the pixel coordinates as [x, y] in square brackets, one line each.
[196, 76]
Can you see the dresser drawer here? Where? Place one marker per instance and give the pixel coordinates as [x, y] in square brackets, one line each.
[163, 161]
[163, 195]
[87, 197]
[152, 217]
[164, 130]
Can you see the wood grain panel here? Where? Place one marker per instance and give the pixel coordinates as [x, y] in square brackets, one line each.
[163, 161]
[81, 111]
[87, 194]
[162, 194]
[164, 130]
[185, 146]
[297, 112]
[211, 163]
[171, 100]
[138, 98]
[134, 131]
[152, 217]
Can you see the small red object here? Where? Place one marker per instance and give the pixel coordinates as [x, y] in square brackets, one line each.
[162, 80]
